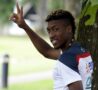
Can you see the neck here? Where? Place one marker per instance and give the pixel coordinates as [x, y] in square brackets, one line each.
[68, 45]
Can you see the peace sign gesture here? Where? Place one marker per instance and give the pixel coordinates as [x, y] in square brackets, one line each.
[18, 17]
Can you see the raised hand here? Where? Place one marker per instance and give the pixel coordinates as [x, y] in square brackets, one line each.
[18, 17]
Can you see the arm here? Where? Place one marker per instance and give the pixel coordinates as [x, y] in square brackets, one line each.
[43, 47]
[76, 86]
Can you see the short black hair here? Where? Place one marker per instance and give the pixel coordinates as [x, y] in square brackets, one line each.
[62, 14]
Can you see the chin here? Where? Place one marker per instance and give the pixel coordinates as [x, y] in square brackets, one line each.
[56, 47]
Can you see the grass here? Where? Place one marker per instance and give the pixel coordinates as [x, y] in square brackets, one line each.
[17, 47]
[37, 85]
[24, 58]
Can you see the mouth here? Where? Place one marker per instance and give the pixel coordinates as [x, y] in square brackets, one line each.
[54, 42]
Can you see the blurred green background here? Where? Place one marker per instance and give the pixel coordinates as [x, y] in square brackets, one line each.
[24, 59]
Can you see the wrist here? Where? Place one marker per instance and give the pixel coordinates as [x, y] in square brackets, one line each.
[25, 26]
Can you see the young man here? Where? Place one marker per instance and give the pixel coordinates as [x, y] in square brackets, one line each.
[74, 66]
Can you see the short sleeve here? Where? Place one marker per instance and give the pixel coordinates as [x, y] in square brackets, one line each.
[69, 75]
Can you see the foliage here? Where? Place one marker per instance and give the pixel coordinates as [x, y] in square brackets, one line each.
[6, 7]
[56, 4]
[90, 9]
[94, 2]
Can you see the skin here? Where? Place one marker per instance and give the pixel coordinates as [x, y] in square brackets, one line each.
[60, 35]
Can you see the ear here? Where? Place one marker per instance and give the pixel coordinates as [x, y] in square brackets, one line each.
[69, 28]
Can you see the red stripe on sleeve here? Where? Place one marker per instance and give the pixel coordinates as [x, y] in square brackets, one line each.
[82, 56]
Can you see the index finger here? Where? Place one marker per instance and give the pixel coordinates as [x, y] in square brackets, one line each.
[18, 9]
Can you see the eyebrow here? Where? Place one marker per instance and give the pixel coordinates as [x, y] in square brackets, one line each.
[51, 27]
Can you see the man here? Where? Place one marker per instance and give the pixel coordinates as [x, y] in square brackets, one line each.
[74, 66]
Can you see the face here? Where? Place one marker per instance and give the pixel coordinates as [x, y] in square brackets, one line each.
[59, 33]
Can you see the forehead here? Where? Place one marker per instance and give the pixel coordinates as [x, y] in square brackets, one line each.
[60, 22]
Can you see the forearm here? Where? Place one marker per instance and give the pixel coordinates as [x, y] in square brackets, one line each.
[42, 46]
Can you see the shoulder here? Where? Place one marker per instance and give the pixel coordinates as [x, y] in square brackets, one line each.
[77, 48]
[68, 57]
[74, 50]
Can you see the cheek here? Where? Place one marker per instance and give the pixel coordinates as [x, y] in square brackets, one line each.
[64, 37]
[61, 37]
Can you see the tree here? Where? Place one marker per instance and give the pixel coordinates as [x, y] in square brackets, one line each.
[88, 33]
[6, 7]
[56, 4]
[73, 6]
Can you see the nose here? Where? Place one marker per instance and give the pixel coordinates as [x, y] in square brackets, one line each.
[51, 34]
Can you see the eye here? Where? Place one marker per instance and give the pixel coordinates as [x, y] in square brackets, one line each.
[55, 29]
[48, 30]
